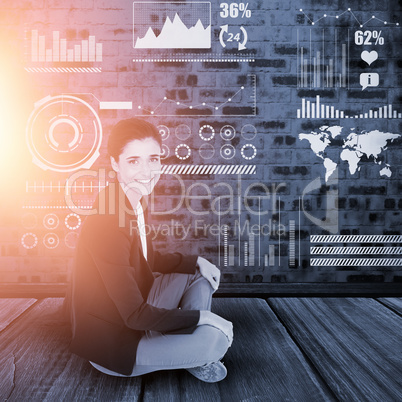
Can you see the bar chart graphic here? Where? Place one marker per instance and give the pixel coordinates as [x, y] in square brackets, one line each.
[255, 242]
[249, 250]
[225, 245]
[292, 243]
[318, 66]
[59, 52]
[318, 110]
[249, 254]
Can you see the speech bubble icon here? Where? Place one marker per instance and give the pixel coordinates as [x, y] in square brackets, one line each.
[369, 80]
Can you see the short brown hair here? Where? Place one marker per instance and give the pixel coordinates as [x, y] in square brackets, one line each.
[128, 130]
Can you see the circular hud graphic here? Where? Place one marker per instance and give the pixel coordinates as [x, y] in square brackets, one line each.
[206, 132]
[50, 221]
[63, 134]
[248, 132]
[183, 131]
[182, 151]
[164, 132]
[51, 240]
[165, 151]
[72, 221]
[71, 239]
[29, 240]
[228, 151]
[29, 220]
[228, 133]
[248, 151]
[206, 151]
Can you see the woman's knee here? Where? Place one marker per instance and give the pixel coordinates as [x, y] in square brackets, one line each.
[215, 343]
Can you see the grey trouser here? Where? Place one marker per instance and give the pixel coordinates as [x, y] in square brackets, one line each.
[158, 351]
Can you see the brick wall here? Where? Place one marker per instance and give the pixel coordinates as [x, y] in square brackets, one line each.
[282, 204]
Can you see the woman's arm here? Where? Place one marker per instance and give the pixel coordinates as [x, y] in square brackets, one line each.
[178, 263]
[174, 263]
[125, 277]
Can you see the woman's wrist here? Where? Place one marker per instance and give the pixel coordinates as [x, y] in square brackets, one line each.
[203, 320]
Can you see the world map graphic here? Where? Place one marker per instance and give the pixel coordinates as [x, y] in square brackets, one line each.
[333, 145]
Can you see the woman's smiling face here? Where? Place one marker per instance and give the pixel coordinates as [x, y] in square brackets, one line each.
[139, 165]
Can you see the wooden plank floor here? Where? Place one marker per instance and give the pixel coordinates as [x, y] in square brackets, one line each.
[284, 350]
[263, 360]
[393, 303]
[10, 309]
[356, 344]
[36, 364]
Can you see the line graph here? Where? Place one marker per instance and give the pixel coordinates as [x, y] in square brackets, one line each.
[216, 108]
[241, 102]
[348, 11]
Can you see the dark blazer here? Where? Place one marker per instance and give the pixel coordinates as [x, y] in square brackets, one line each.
[111, 282]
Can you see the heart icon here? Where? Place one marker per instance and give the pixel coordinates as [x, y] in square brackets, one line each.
[369, 57]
